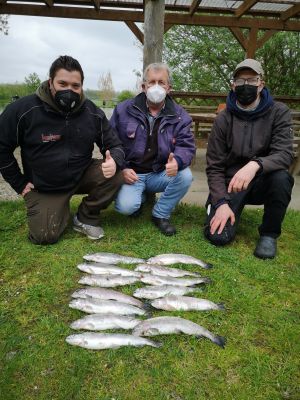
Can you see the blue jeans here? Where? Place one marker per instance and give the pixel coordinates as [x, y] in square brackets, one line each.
[173, 188]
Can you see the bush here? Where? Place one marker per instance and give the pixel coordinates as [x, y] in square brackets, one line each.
[124, 95]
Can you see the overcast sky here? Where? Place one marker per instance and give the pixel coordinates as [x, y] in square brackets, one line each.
[33, 43]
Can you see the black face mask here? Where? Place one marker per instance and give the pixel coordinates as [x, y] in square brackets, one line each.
[67, 100]
[246, 94]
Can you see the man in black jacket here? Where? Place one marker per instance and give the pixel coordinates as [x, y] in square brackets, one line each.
[249, 152]
[56, 129]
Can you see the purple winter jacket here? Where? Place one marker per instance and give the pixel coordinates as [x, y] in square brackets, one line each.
[174, 132]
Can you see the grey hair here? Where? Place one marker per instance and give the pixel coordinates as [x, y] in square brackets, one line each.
[157, 66]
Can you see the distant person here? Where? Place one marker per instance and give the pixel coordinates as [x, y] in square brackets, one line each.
[249, 152]
[56, 129]
[159, 147]
[14, 98]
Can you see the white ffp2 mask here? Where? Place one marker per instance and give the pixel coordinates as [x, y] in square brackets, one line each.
[156, 94]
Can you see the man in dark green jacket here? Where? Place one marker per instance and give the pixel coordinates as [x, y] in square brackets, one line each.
[249, 152]
[56, 129]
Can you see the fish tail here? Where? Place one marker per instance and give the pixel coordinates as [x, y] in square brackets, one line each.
[147, 306]
[207, 280]
[208, 266]
[156, 344]
[220, 341]
[221, 306]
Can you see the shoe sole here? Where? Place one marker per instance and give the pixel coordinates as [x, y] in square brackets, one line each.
[264, 257]
[90, 237]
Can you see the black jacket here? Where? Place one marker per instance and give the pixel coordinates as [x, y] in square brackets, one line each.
[266, 136]
[56, 148]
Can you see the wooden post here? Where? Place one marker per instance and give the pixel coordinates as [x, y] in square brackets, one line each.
[154, 15]
[252, 43]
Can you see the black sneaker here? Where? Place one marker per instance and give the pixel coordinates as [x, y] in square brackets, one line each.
[164, 226]
[266, 247]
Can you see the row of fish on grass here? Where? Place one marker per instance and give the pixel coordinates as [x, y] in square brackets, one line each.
[111, 309]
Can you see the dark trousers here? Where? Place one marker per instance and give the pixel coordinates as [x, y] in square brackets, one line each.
[48, 213]
[273, 190]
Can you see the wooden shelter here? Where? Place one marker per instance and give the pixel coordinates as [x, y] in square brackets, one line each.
[269, 16]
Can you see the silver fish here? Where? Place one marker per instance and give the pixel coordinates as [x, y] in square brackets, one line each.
[167, 259]
[96, 306]
[185, 303]
[164, 271]
[108, 280]
[106, 294]
[106, 269]
[155, 292]
[112, 258]
[168, 280]
[100, 341]
[169, 325]
[100, 322]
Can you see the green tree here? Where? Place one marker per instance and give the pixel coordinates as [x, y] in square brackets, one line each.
[202, 59]
[124, 95]
[32, 82]
[4, 24]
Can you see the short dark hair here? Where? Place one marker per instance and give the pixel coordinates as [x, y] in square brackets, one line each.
[65, 62]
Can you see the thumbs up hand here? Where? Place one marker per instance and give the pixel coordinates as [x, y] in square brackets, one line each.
[171, 166]
[108, 166]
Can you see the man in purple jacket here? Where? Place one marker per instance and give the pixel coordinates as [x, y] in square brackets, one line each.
[249, 152]
[159, 147]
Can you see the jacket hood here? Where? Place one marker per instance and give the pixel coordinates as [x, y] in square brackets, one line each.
[266, 101]
[44, 93]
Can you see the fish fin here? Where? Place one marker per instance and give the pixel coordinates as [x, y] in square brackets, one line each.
[220, 341]
[221, 306]
[153, 332]
[207, 280]
[208, 266]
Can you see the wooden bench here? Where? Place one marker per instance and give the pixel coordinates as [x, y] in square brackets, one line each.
[203, 118]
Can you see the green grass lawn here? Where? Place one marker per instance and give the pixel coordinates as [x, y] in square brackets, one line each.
[261, 324]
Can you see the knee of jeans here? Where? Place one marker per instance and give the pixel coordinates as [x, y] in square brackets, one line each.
[186, 178]
[219, 239]
[126, 208]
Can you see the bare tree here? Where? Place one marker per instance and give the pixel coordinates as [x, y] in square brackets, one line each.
[106, 88]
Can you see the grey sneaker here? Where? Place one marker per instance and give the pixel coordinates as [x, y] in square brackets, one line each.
[92, 232]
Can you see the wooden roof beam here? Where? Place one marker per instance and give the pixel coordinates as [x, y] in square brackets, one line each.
[138, 16]
[290, 12]
[167, 27]
[243, 8]
[195, 4]
[267, 36]
[135, 30]
[238, 34]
